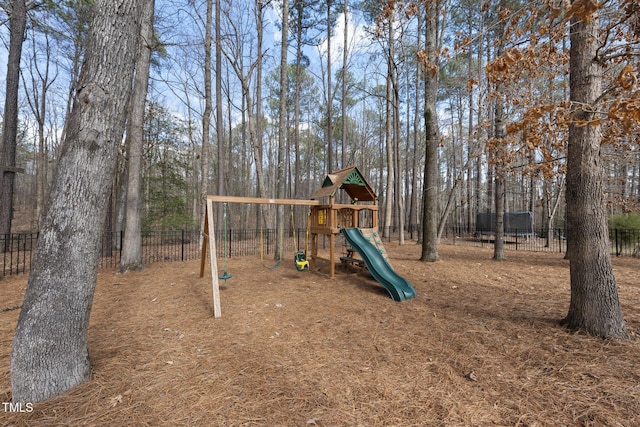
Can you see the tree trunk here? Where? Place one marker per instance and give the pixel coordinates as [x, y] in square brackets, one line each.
[477, 176]
[329, 94]
[413, 203]
[499, 134]
[131, 258]
[299, 6]
[398, 193]
[499, 183]
[219, 124]
[282, 125]
[122, 178]
[343, 102]
[255, 124]
[206, 115]
[471, 140]
[551, 211]
[388, 196]
[594, 304]
[17, 23]
[431, 174]
[50, 353]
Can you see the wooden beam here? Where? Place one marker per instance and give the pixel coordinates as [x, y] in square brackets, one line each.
[214, 262]
[209, 239]
[262, 200]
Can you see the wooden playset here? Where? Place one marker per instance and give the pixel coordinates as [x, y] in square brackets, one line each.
[327, 218]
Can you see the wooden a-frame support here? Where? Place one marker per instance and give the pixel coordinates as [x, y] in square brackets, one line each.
[209, 236]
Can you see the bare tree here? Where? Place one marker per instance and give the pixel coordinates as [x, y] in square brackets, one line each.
[208, 108]
[131, 256]
[430, 196]
[283, 125]
[343, 101]
[389, 135]
[219, 122]
[17, 10]
[50, 349]
[413, 201]
[499, 133]
[41, 78]
[233, 51]
[329, 137]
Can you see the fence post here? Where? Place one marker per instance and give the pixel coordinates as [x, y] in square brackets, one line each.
[559, 237]
[22, 245]
[182, 244]
[32, 247]
[11, 240]
[121, 238]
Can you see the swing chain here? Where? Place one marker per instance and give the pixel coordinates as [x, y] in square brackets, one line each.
[225, 274]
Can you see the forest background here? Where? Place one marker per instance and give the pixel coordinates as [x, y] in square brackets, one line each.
[355, 96]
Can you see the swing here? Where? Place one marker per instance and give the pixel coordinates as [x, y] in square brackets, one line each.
[300, 257]
[225, 274]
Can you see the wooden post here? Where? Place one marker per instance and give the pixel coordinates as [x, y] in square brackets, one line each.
[314, 251]
[214, 262]
[374, 216]
[332, 255]
[210, 237]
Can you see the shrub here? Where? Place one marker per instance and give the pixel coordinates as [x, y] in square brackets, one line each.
[625, 221]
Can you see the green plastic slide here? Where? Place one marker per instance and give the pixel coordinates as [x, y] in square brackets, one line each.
[397, 286]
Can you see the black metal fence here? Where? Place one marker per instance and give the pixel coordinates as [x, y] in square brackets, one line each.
[16, 250]
[622, 242]
[160, 246]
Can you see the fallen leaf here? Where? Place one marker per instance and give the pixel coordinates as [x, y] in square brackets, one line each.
[115, 400]
[471, 376]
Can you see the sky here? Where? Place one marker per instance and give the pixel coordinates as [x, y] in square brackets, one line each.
[317, 54]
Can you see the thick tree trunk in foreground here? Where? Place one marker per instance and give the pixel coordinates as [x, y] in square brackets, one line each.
[50, 352]
[594, 305]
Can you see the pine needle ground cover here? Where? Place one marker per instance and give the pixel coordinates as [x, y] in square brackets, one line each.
[480, 345]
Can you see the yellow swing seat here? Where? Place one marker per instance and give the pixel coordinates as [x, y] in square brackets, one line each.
[301, 261]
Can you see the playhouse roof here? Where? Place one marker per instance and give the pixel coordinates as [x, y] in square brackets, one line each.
[351, 181]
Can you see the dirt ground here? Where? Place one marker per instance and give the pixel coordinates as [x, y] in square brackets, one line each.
[480, 345]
